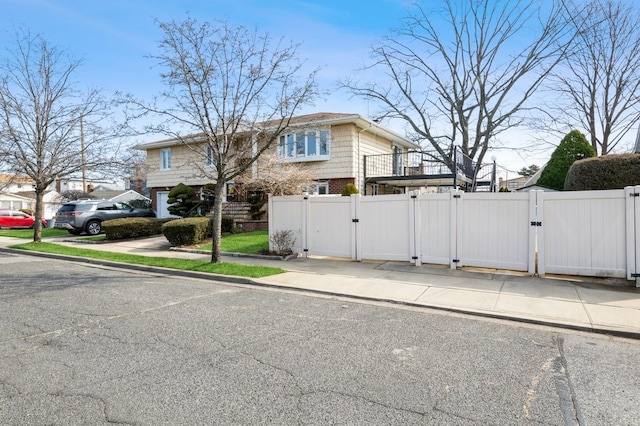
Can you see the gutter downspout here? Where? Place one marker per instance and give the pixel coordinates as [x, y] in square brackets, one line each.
[361, 187]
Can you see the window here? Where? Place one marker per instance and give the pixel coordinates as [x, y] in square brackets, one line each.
[210, 160]
[165, 159]
[105, 206]
[320, 188]
[513, 185]
[305, 145]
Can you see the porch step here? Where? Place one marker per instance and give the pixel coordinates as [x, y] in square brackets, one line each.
[238, 209]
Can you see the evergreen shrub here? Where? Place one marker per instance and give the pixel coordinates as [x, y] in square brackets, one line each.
[607, 172]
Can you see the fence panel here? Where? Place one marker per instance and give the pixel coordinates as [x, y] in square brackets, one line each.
[330, 226]
[592, 233]
[287, 214]
[495, 230]
[384, 227]
[434, 216]
[584, 233]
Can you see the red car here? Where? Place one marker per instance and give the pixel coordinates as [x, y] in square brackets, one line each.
[17, 219]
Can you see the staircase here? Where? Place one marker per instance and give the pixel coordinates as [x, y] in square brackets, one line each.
[238, 209]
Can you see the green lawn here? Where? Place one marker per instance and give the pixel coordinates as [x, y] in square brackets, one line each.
[248, 243]
[234, 269]
[28, 233]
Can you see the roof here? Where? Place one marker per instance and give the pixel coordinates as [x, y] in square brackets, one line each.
[110, 194]
[5, 178]
[532, 182]
[316, 119]
[12, 196]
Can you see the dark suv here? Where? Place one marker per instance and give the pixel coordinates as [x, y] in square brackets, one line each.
[88, 215]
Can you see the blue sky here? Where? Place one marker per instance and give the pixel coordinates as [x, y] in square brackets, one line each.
[113, 37]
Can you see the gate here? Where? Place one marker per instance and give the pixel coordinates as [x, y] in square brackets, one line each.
[593, 233]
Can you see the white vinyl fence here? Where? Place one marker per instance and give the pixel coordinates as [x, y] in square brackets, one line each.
[593, 233]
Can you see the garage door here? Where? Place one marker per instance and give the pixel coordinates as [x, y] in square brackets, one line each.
[162, 210]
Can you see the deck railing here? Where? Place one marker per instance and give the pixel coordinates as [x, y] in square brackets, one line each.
[425, 163]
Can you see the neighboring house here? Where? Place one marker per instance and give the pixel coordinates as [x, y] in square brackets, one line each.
[50, 203]
[513, 184]
[532, 183]
[117, 196]
[332, 145]
[15, 201]
[77, 184]
[13, 183]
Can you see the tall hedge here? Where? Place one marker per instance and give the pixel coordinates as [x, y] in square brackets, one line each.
[606, 172]
[574, 146]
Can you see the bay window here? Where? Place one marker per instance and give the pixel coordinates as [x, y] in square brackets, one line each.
[305, 145]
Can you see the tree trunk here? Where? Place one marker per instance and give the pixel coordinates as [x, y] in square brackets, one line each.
[217, 221]
[37, 225]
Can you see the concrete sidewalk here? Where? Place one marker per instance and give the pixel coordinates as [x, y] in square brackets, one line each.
[601, 305]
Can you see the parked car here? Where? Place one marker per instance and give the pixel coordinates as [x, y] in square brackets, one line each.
[17, 219]
[88, 215]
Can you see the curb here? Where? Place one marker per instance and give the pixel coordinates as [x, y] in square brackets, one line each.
[250, 281]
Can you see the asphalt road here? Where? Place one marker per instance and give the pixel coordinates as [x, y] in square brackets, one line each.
[81, 344]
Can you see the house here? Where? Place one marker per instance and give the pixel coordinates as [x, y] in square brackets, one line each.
[118, 196]
[15, 201]
[13, 183]
[27, 200]
[333, 145]
[77, 184]
[514, 183]
[531, 184]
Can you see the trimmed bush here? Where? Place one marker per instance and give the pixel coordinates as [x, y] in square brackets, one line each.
[606, 172]
[133, 227]
[182, 199]
[574, 146]
[188, 231]
[349, 189]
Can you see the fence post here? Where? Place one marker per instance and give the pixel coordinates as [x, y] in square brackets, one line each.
[536, 234]
[632, 234]
[270, 218]
[415, 229]
[356, 237]
[304, 231]
[539, 230]
[455, 233]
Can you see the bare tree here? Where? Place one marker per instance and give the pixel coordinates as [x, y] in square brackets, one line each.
[41, 115]
[230, 93]
[600, 79]
[277, 177]
[462, 74]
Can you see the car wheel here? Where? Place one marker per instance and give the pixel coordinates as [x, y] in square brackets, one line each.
[94, 228]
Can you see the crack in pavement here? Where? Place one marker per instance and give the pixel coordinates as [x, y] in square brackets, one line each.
[88, 326]
[569, 406]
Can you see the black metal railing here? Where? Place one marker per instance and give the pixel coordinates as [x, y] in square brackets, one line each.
[408, 163]
[462, 169]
